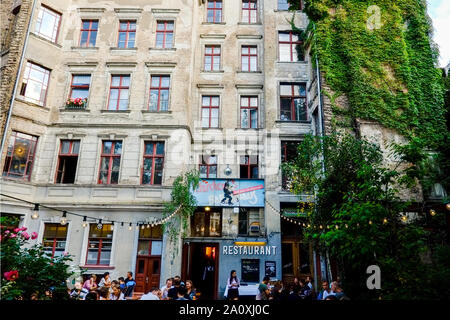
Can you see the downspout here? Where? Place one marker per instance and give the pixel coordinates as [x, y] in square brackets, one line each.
[25, 45]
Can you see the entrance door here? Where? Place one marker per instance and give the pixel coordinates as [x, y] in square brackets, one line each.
[148, 271]
[296, 260]
[200, 264]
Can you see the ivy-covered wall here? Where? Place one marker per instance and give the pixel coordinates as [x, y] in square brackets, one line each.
[379, 55]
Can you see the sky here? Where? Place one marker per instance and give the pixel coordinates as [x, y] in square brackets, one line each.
[439, 11]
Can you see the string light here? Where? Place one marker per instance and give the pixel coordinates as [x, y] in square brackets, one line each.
[385, 221]
[404, 218]
[99, 224]
[112, 225]
[64, 218]
[432, 212]
[447, 206]
[35, 214]
[84, 222]
[370, 221]
[130, 227]
[121, 224]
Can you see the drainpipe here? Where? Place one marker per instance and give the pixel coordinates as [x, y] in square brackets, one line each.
[17, 79]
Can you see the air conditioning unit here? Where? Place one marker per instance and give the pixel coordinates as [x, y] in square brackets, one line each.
[254, 227]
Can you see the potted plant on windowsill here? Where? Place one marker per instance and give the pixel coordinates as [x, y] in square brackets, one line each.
[77, 103]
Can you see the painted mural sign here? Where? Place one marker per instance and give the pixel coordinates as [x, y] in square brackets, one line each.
[230, 193]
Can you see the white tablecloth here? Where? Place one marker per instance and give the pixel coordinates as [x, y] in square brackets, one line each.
[248, 290]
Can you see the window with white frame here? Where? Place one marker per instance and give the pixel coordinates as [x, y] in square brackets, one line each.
[99, 245]
[35, 83]
[54, 239]
[249, 11]
[210, 111]
[47, 24]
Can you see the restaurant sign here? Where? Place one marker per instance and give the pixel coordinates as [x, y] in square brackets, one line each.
[230, 193]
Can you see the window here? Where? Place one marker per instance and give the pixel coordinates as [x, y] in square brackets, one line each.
[293, 102]
[164, 34]
[110, 162]
[159, 93]
[54, 239]
[47, 24]
[99, 245]
[152, 170]
[212, 58]
[283, 5]
[35, 83]
[127, 34]
[79, 87]
[119, 92]
[89, 30]
[249, 58]
[289, 151]
[243, 222]
[249, 112]
[208, 167]
[206, 224]
[20, 156]
[210, 112]
[290, 47]
[250, 270]
[214, 12]
[67, 161]
[249, 167]
[249, 11]
[249, 222]
[150, 241]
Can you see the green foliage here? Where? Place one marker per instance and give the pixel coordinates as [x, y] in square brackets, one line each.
[37, 271]
[358, 214]
[184, 201]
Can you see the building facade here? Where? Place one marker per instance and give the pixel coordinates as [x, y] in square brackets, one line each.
[115, 100]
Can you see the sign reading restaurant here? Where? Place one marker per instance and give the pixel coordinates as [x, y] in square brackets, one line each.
[230, 193]
[250, 250]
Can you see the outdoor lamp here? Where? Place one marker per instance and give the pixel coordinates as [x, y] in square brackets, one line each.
[84, 222]
[228, 170]
[64, 218]
[35, 214]
[99, 224]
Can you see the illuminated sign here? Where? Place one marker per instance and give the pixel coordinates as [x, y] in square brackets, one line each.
[230, 193]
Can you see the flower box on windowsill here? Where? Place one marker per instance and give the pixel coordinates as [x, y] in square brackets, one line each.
[76, 104]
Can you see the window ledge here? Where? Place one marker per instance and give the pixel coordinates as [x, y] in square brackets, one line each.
[163, 112]
[46, 40]
[162, 49]
[63, 109]
[123, 49]
[250, 24]
[289, 62]
[115, 111]
[84, 48]
[215, 71]
[21, 99]
[211, 128]
[240, 71]
[292, 121]
[98, 267]
[277, 10]
[209, 23]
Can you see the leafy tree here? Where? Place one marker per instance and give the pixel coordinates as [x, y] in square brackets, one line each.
[359, 218]
[29, 271]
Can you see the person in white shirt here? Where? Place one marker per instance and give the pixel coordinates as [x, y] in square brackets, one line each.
[116, 294]
[154, 294]
[233, 286]
[165, 289]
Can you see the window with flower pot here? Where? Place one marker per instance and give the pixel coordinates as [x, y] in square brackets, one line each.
[79, 91]
[249, 58]
[119, 92]
[20, 156]
[54, 239]
[67, 161]
[208, 166]
[210, 111]
[150, 241]
[152, 169]
[164, 34]
[35, 83]
[249, 112]
[127, 34]
[159, 93]
[248, 167]
[110, 162]
[293, 102]
[214, 11]
[249, 11]
[99, 244]
[47, 24]
[89, 29]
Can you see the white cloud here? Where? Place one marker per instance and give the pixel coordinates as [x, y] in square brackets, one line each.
[439, 10]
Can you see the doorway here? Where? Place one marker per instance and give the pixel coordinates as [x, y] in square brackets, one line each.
[148, 271]
[200, 264]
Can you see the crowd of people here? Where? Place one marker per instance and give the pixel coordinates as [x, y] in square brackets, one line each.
[177, 289]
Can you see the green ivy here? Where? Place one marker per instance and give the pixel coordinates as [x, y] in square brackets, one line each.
[389, 73]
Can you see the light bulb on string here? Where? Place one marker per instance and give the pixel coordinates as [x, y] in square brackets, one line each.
[112, 225]
[385, 221]
[404, 218]
[63, 220]
[142, 227]
[447, 206]
[370, 221]
[99, 224]
[85, 222]
[432, 212]
[121, 224]
[35, 214]
[130, 227]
